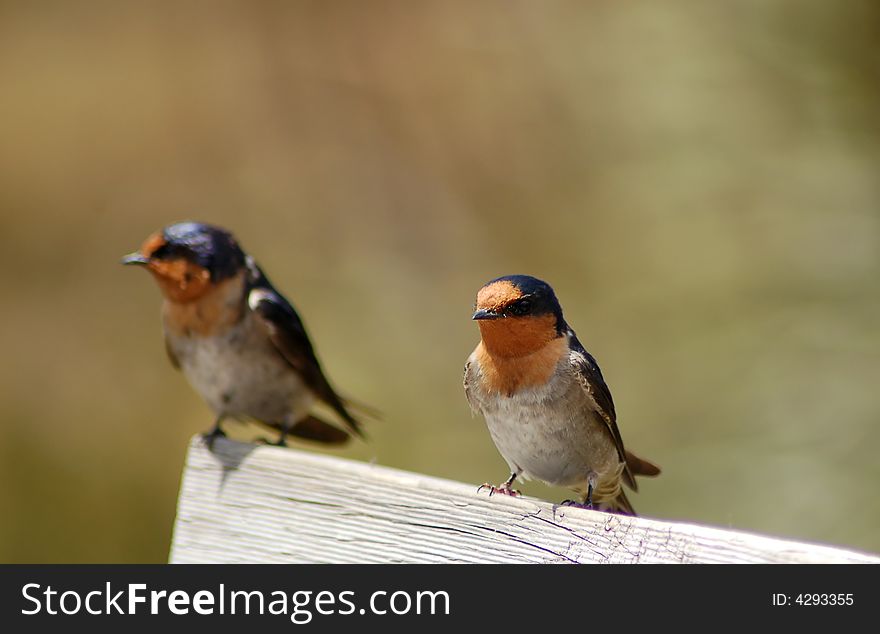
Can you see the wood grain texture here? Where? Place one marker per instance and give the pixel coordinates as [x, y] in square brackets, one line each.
[257, 504]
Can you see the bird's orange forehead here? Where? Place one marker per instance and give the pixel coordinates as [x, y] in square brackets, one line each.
[152, 244]
[497, 295]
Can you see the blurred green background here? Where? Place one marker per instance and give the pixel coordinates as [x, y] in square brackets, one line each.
[699, 181]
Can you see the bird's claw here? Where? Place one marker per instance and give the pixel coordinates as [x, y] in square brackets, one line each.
[503, 489]
[576, 504]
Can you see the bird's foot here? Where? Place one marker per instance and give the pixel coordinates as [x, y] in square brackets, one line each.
[578, 505]
[211, 436]
[501, 489]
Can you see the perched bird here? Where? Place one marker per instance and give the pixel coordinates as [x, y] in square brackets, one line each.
[548, 409]
[238, 341]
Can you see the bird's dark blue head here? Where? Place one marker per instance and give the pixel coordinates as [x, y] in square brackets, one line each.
[186, 257]
[209, 247]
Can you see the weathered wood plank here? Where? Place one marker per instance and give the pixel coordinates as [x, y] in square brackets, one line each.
[248, 503]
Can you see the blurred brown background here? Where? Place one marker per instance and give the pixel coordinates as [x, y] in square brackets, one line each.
[699, 181]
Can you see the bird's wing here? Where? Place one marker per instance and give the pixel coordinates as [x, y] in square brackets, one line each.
[590, 376]
[287, 333]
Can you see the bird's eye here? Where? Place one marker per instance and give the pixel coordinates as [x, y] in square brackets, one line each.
[521, 307]
[162, 252]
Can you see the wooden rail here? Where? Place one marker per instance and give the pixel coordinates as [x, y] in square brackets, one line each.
[258, 504]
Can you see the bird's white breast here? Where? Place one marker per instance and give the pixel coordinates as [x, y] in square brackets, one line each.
[241, 374]
[550, 432]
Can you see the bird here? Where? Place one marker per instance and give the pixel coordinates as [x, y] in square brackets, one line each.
[545, 401]
[238, 340]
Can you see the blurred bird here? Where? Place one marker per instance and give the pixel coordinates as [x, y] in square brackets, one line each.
[545, 402]
[238, 341]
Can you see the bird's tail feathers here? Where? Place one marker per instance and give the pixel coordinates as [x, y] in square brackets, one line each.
[640, 466]
[637, 466]
[314, 429]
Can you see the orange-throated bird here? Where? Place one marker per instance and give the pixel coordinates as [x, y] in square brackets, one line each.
[545, 402]
[239, 342]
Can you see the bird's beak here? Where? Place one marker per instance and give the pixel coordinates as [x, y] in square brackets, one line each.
[135, 258]
[486, 314]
